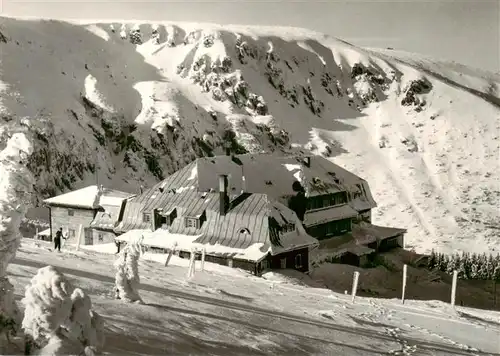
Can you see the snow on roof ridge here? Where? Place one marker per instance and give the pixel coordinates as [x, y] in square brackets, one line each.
[86, 197]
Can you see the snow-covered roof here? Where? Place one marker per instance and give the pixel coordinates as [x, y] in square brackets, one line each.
[164, 239]
[274, 175]
[89, 198]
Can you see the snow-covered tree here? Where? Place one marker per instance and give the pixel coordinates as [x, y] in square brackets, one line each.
[127, 273]
[59, 319]
[474, 270]
[123, 32]
[450, 266]
[135, 35]
[496, 273]
[443, 262]
[432, 261]
[15, 186]
[155, 35]
[460, 267]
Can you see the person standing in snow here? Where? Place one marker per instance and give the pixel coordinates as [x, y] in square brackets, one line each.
[57, 240]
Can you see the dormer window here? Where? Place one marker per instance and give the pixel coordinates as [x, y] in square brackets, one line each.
[195, 221]
[170, 216]
[146, 217]
[288, 228]
[191, 222]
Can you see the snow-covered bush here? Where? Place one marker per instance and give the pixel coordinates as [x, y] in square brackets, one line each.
[155, 35]
[123, 32]
[59, 319]
[127, 273]
[135, 36]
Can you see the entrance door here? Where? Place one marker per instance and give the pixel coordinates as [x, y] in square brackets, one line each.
[88, 236]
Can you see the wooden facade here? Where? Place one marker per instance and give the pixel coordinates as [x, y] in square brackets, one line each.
[296, 259]
[70, 219]
[249, 266]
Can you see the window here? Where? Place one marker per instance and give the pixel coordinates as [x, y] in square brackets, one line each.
[283, 263]
[298, 261]
[100, 237]
[288, 228]
[71, 233]
[146, 217]
[191, 222]
[244, 231]
[338, 227]
[71, 212]
[326, 200]
[264, 264]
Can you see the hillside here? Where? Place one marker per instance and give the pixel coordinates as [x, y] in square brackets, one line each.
[129, 103]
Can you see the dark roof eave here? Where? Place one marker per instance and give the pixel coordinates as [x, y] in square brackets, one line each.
[58, 205]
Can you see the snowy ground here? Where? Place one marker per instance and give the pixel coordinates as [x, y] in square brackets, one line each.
[223, 311]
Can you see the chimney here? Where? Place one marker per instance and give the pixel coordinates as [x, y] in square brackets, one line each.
[223, 197]
[243, 184]
[227, 148]
[307, 161]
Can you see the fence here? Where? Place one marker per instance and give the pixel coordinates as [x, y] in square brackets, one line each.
[453, 290]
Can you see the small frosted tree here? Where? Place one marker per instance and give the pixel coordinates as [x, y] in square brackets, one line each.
[474, 270]
[135, 35]
[482, 267]
[443, 263]
[127, 273]
[432, 261]
[155, 35]
[462, 273]
[59, 319]
[496, 273]
[450, 266]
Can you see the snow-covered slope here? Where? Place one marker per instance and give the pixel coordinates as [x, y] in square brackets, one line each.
[136, 101]
[224, 311]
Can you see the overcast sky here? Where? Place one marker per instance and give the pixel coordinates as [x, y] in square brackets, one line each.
[467, 32]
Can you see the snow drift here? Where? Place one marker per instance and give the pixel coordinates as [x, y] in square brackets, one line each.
[136, 101]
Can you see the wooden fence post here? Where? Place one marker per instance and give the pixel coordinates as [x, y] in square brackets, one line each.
[78, 237]
[454, 288]
[405, 268]
[170, 253]
[354, 286]
[191, 268]
[203, 252]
